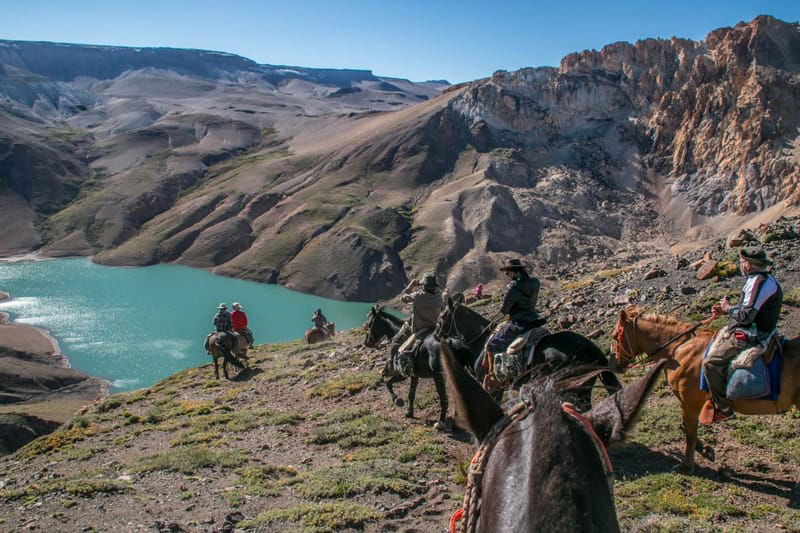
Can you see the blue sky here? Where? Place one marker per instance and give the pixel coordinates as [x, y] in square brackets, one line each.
[420, 40]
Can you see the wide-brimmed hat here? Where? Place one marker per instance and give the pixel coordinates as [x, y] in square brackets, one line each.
[236, 305]
[755, 255]
[429, 280]
[514, 265]
[222, 306]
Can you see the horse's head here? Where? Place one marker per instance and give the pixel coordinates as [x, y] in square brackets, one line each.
[625, 344]
[446, 324]
[372, 338]
[574, 494]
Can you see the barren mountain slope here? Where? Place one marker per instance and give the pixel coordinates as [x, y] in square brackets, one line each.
[611, 154]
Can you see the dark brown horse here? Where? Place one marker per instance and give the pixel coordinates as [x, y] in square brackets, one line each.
[469, 331]
[380, 325]
[649, 333]
[541, 466]
[230, 348]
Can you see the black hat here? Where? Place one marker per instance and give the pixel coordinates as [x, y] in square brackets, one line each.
[755, 255]
[514, 265]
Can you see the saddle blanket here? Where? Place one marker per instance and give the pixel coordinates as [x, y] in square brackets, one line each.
[751, 377]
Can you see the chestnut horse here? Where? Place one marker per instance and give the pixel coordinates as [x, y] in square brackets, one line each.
[637, 332]
[541, 466]
[315, 335]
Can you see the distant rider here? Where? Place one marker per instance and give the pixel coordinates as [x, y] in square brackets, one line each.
[519, 302]
[239, 323]
[752, 322]
[319, 319]
[426, 304]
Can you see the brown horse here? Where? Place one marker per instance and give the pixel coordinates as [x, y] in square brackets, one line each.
[541, 466]
[231, 349]
[315, 335]
[638, 332]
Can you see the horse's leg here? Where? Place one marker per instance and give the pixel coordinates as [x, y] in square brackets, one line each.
[391, 381]
[444, 424]
[690, 415]
[412, 392]
[216, 366]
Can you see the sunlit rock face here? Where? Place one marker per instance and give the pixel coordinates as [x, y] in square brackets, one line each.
[304, 176]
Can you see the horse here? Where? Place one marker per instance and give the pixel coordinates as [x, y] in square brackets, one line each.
[552, 352]
[541, 466]
[315, 334]
[664, 337]
[223, 347]
[380, 324]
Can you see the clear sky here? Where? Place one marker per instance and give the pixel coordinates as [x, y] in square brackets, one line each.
[416, 39]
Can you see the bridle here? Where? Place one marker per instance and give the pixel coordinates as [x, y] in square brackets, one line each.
[453, 327]
[625, 355]
[371, 340]
[628, 355]
[470, 508]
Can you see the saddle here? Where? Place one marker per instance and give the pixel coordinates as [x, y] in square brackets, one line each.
[407, 353]
[519, 355]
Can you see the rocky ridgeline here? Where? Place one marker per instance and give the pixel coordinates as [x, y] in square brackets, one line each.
[685, 285]
[601, 160]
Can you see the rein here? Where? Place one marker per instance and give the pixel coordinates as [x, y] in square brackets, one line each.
[469, 511]
[454, 327]
[619, 338]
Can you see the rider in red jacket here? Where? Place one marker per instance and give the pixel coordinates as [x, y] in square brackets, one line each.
[239, 320]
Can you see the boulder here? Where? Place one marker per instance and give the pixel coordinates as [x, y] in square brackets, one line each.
[707, 270]
[654, 273]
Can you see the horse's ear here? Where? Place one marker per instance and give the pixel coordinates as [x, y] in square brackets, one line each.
[615, 415]
[458, 298]
[476, 409]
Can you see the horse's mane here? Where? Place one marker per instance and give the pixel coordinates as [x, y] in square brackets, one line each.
[667, 320]
[390, 316]
[472, 313]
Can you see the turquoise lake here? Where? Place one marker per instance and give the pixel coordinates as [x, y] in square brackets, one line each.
[135, 326]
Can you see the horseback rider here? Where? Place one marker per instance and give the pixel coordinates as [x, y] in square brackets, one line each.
[752, 322]
[426, 304]
[223, 325]
[519, 302]
[319, 319]
[239, 323]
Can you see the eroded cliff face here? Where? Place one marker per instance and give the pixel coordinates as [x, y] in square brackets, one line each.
[293, 181]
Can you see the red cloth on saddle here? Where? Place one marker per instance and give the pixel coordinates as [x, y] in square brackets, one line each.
[239, 320]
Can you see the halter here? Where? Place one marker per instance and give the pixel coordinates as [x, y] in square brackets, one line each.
[470, 508]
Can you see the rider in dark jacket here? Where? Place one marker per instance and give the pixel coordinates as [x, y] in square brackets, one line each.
[519, 303]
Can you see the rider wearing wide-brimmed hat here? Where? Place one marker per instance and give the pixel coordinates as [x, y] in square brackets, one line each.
[752, 321]
[426, 304]
[222, 320]
[519, 303]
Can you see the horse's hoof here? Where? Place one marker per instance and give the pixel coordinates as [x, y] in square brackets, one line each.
[443, 425]
[409, 415]
[399, 402]
[683, 468]
[708, 453]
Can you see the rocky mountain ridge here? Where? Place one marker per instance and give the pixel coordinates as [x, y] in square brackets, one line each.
[614, 154]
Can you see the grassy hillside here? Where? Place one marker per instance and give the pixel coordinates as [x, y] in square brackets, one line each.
[308, 440]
